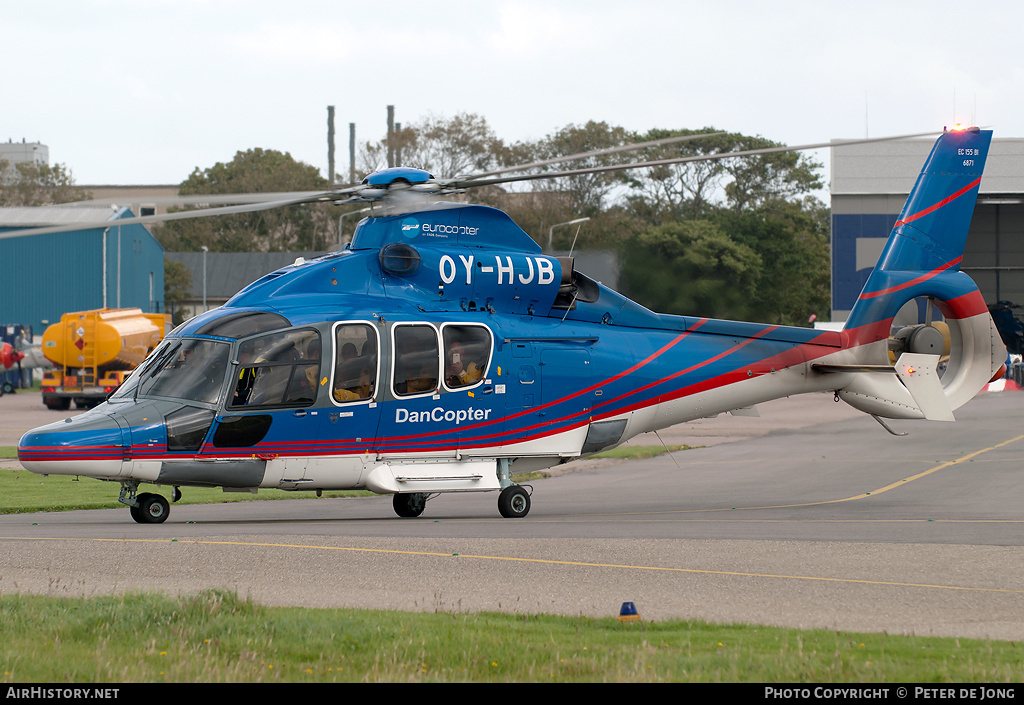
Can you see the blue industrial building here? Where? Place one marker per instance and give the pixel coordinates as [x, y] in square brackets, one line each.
[100, 265]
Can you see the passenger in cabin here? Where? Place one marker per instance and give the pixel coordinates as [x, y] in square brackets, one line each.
[425, 380]
[366, 383]
[460, 370]
[354, 372]
[357, 389]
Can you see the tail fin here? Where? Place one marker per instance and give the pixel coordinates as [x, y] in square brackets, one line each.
[923, 254]
[922, 259]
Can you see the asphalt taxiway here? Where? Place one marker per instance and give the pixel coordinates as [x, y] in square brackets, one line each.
[812, 515]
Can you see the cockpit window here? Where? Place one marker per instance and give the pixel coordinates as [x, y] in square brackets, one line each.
[185, 369]
[280, 369]
[242, 325]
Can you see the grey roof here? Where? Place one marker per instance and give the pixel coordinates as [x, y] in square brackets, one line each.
[66, 214]
[229, 272]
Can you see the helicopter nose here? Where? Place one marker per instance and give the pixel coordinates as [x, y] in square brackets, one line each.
[89, 444]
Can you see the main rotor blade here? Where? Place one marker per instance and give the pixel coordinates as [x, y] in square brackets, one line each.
[202, 199]
[360, 193]
[472, 182]
[596, 153]
[165, 217]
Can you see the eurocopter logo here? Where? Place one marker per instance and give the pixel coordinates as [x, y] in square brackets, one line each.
[410, 227]
[440, 230]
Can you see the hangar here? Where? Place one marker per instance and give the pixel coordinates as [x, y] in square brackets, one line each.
[101, 264]
[870, 183]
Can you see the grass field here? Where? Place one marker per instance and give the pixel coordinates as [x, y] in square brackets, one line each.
[216, 637]
[24, 491]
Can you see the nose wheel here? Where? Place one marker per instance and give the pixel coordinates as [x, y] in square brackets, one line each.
[410, 505]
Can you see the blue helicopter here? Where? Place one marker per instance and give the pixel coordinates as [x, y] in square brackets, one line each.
[442, 351]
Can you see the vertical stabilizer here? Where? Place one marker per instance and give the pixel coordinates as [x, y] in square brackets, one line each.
[926, 246]
[922, 259]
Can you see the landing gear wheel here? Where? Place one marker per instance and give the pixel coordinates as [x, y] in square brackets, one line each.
[514, 502]
[410, 505]
[152, 509]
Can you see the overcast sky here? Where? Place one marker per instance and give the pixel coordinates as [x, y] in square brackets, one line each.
[144, 91]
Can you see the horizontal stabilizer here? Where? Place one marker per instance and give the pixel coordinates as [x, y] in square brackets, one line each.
[878, 369]
[918, 373]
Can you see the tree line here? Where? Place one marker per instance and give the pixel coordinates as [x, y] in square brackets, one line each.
[736, 237]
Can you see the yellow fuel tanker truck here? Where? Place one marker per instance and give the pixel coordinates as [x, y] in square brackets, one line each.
[93, 351]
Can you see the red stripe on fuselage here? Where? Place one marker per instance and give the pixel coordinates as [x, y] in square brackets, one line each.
[463, 429]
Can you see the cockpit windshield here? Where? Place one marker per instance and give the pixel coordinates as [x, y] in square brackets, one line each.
[188, 369]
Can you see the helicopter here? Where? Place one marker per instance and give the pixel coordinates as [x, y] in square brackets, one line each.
[442, 351]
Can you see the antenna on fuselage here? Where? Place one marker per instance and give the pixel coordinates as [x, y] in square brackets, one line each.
[668, 451]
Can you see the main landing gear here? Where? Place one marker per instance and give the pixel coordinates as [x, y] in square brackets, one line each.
[146, 508]
[513, 502]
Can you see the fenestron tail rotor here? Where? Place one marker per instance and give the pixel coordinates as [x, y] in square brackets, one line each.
[930, 338]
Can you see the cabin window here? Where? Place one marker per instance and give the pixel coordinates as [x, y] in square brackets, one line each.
[416, 360]
[281, 369]
[467, 350]
[355, 362]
